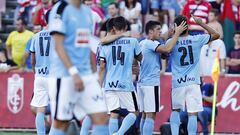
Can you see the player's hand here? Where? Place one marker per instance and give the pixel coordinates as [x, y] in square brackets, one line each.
[126, 34]
[179, 29]
[197, 20]
[78, 83]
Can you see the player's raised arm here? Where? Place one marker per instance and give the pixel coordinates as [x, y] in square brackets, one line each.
[214, 34]
[172, 42]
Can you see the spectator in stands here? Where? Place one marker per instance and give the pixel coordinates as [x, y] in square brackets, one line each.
[16, 41]
[131, 10]
[24, 9]
[208, 54]
[233, 57]
[205, 116]
[213, 22]
[113, 11]
[39, 11]
[199, 8]
[216, 4]
[105, 3]
[96, 17]
[172, 8]
[155, 6]
[6, 64]
[236, 11]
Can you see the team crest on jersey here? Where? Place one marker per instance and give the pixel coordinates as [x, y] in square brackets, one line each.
[15, 93]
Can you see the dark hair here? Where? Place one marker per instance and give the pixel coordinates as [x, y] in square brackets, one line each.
[128, 6]
[178, 20]
[46, 16]
[24, 22]
[236, 33]
[215, 12]
[115, 4]
[110, 24]
[151, 25]
[120, 23]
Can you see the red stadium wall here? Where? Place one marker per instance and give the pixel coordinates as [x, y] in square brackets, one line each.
[16, 95]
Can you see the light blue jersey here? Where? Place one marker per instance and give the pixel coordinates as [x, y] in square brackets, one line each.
[150, 64]
[41, 45]
[75, 24]
[119, 56]
[99, 48]
[185, 60]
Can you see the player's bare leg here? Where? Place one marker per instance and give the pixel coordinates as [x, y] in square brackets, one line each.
[100, 121]
[59, 127]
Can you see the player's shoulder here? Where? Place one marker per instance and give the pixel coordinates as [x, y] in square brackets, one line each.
[131, 39]
[196, 37]
[61, 6]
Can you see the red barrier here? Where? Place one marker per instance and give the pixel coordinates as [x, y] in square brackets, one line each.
[16, 95]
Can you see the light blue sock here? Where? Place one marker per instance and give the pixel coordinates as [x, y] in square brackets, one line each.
[40, 123]
[113, 125]
[141, 126]
[100, 130]
[55, 131]
[192, 125]
[127, 122]
[175, 122]
[148, 126]
[87, 122]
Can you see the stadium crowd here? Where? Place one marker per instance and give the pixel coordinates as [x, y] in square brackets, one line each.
[141, 16]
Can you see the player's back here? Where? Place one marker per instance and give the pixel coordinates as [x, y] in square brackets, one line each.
[150, 64]
[41, 46]
[185, 60]
[119, 56]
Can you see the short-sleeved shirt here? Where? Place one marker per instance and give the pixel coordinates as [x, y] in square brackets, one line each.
[185, 58]
[18, 43]
[41, 45]
[150, 64]
[119, 56]
[129, 13]
[29, 58]
[234, 54]
[76, 42]
[208, 54]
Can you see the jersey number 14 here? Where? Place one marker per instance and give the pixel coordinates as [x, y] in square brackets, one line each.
[117, 55]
